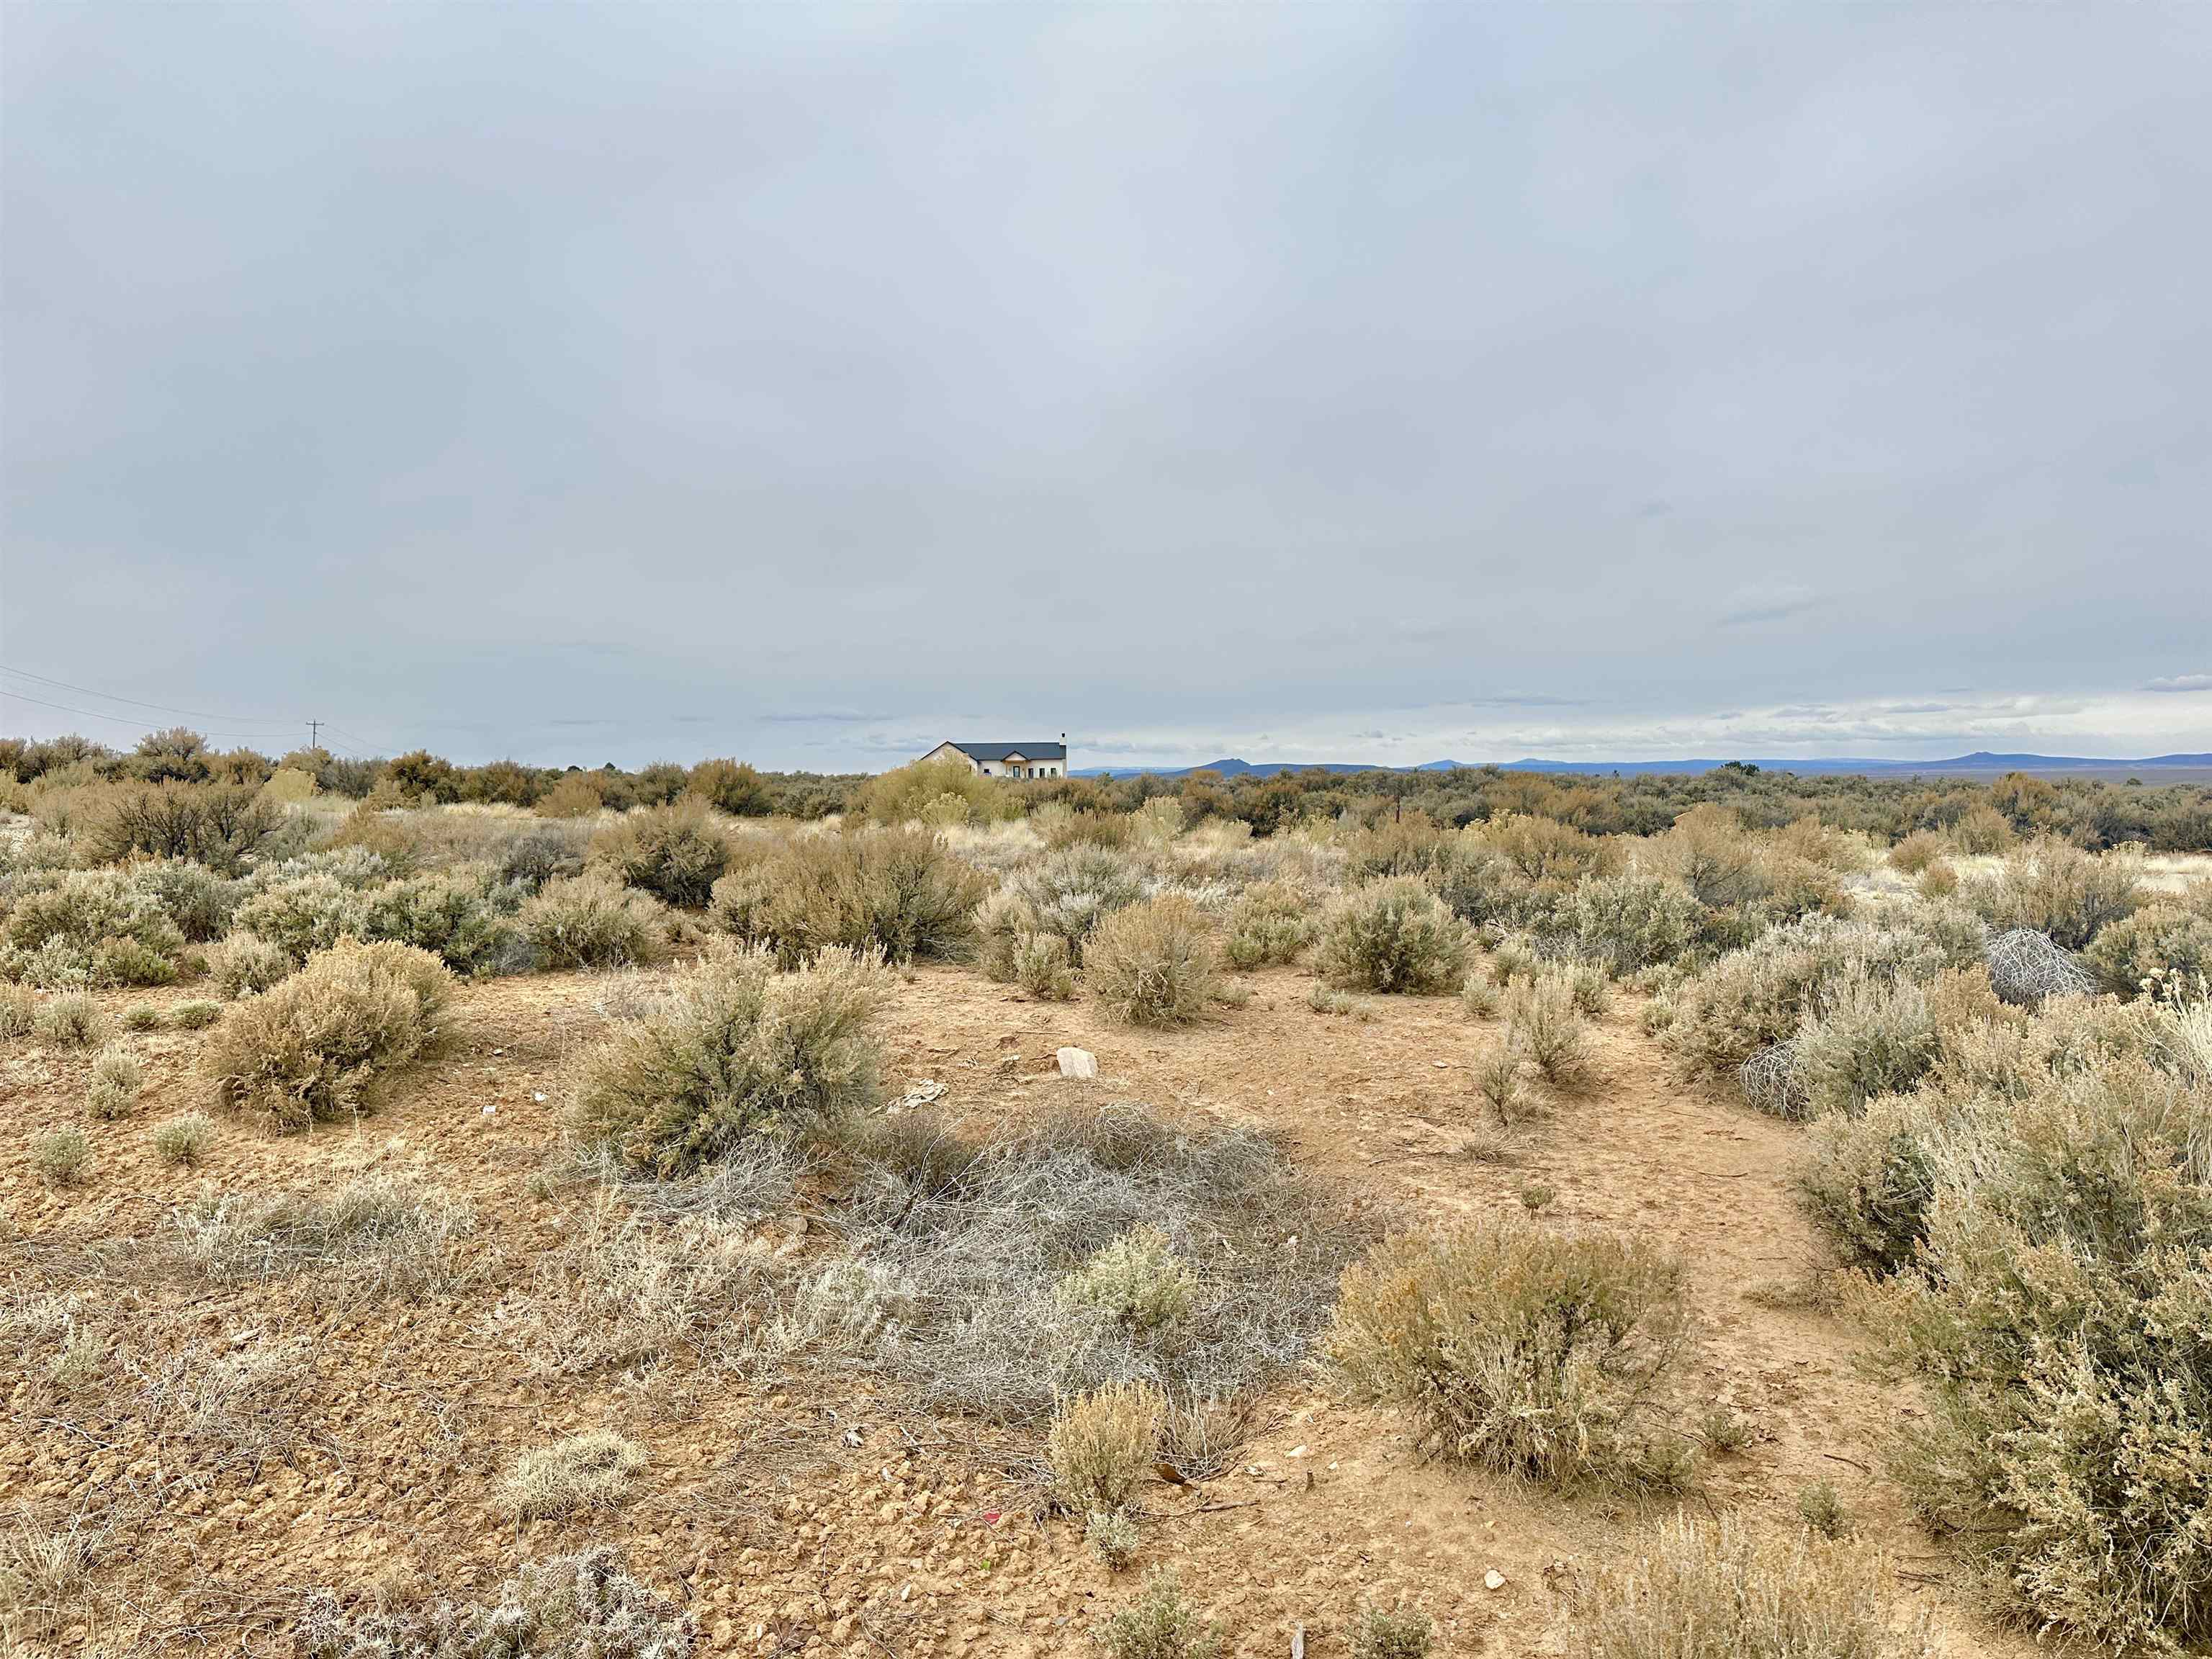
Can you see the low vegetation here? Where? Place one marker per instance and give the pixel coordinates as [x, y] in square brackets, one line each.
[314, 1046]
[1530, 1352]
[735, 1049]
[1154, 963]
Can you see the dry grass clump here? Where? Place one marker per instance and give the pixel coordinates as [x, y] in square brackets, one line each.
[71, 1020]
[243, 965]
[1543, 1026]
[1718, 1589]
[52, 1575]
[1138, 1279]
[313, 1047]
[1102, 1446]
[978, 1239]
[1154, 963]
[734, 1050]
[592, 921]
[897, 891]
[184, 1140]
[1530, 1353]
[386, 1232]
[1394, 935]
[237, 1407]
[63, 1157]
[2058, 891]
[1156, 1623]
[593, 1470]
[573, 1606]
[1271, 924]
[676, 852]
[1393, 1633]
[19, 1012]
[196, 1014]
[117, 1080]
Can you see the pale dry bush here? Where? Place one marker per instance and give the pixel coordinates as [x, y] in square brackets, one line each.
[1158, 1623]
[1916, 854]
[1003, 922]
[242, 966]
[1138, 1279]
[185, 1140]
[2160, 945]
[573, 1606]
[1042, 969]
[2060, 891]
[306, 913]
[1499, 1078]
[92, 927]
[1072, 890]
[735, 1049]
[71, 1019]
[1526, 1350]
[53, 1574]
[1631, 921]
[593, 922]
[676, 852]
[1102, 1446]
[898, 892]
[1544, 1027]
[117, 1080]
[1154, 963]
[63, 1157]
[1394, 935]
[19, 1012]
[1718, 1589]
[313, 1046]
[2049, 1251]
[2027, 969]
[593, 1470]
[1393, 1633]
[1270, 924]
[1867, 1038]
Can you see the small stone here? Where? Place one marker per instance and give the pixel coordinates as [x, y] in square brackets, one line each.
[1079, 1063]
[1493, 1580]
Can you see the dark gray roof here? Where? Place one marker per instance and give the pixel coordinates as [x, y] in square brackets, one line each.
[998, 752]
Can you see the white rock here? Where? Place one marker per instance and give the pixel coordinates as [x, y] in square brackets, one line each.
[1493, 1580]
[1079, 1063]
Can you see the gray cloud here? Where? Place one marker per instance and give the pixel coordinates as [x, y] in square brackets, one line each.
[1191, 380]
[2181, 682]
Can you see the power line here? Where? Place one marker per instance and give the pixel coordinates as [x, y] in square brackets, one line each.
[140, 703]
[119, 719]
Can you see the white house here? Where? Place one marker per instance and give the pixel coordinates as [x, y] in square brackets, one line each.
[1008, 760]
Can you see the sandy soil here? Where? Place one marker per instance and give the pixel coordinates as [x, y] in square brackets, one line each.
[826, 1516]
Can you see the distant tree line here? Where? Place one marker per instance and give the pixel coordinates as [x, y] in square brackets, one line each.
[2091, 812]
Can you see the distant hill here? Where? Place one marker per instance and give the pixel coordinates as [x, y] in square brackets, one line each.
[2166, 769]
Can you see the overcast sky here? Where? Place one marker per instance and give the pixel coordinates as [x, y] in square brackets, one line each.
[1349, 381]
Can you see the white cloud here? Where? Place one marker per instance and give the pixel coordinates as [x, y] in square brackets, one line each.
[2181, 682]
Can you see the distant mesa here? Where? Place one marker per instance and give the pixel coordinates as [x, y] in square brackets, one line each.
[2171, 768]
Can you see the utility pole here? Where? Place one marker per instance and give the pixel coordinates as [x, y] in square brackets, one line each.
[314, 734]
